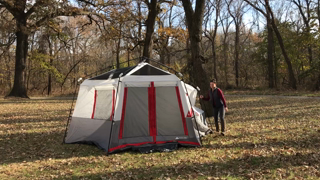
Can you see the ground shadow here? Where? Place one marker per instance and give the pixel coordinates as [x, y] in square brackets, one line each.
[27, 147]
[238, 168]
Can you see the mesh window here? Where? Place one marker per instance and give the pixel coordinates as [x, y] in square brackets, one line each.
[169, 120]
[103, 104]
[136, 122]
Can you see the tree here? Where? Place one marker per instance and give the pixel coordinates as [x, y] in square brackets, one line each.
[211, 35]
[29, 17]
[225, 23]
[270, 52]
[154, 9]
[236, 14]
[306, 17]
[25, 23]
[194, 19]
[292, 79]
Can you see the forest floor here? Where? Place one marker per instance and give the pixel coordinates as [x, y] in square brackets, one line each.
[268, 137]
[273, 92]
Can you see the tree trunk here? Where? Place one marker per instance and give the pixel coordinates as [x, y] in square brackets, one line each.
[139, 27]
[292, 79]
[196, 72]
[270, 52]
[214, 54]
[19, 86]
[162, 55]
[148, 43]
[275, 67]
[128, 55]
[118, 49]
[214, 59]
[50, 63]
[225, 57]
[237, 47]
[318, 11]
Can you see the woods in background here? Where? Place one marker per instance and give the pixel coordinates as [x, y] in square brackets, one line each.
[46, 45]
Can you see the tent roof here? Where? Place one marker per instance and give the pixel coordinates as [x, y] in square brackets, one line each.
[142, 69]
[113, 74]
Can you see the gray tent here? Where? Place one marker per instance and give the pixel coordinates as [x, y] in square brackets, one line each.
[139, 106]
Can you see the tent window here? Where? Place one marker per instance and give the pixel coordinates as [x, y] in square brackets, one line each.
[169, 120]
[104, 102]
[136, 122]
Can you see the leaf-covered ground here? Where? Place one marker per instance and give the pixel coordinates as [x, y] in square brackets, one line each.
[267, 138]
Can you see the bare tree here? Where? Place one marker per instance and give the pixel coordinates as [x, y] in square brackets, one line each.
[306, 17]
[236, 10]
[292, 79]
[212, 34]
[225, 23]
[29, 16]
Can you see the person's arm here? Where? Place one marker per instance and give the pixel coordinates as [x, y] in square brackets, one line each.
[222, 98]
[206, 98]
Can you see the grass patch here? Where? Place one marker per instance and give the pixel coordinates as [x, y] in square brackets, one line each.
[267, 138]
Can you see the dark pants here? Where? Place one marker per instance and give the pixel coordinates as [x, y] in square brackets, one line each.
[219, 112]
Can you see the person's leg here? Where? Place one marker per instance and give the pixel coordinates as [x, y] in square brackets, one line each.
[223, 123]
[215, 115]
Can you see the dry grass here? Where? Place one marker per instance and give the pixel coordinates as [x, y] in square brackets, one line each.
[267, 138]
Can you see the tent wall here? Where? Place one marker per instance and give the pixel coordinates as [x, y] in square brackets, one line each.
[86, 130]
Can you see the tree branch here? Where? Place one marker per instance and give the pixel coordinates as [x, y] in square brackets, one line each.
[72, 11]
[10, 41]
[255, 7]
[9, 7]
[188, 12]
[34, 7]
[306, 22]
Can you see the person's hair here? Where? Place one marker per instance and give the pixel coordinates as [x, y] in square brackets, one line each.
[213, 80]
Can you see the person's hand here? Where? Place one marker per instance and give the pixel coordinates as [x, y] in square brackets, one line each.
[201, 96]
[226, 108]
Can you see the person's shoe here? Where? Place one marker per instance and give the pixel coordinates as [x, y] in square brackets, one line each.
[222, 134]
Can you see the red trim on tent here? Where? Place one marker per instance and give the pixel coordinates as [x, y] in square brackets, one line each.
[190, 114]
[123, 112]
[125, 145]
[188, 142]
[159, 142]
[181, 111]
[113, 99]
[152, 111]
[94, 104]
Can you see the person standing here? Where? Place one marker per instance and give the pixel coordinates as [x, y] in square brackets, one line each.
[216, 98]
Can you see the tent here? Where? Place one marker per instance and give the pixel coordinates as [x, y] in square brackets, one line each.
[135, 107]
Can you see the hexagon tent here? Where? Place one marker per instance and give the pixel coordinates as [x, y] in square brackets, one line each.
[139, 106]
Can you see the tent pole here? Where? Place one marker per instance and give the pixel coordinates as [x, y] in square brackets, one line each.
[176, 72]
[69, 117]
[112, 120]
[192, 111]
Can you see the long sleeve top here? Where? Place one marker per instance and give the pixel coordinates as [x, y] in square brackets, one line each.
[220, 94]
